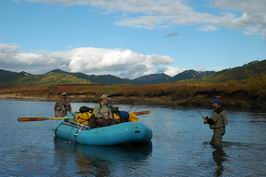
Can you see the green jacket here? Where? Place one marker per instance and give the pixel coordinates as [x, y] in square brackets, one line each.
[218, 119]
[61, 107]
[103, 111]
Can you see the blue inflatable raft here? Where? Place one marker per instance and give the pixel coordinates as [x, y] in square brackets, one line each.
[128, 132]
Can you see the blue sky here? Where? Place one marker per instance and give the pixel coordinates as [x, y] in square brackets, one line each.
[130, 38]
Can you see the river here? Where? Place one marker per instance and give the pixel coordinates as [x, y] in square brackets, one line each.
[179, 145]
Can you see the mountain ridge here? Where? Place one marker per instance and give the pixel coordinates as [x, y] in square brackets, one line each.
[57, 76]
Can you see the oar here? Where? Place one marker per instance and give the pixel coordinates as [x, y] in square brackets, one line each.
[133, 115]
[141, 113]
[29, 119]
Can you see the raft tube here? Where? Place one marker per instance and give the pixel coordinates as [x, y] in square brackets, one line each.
[127, 132]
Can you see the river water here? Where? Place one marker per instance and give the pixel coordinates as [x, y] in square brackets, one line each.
[179, 145]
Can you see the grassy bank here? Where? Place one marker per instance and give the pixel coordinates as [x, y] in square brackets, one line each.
[234, 94]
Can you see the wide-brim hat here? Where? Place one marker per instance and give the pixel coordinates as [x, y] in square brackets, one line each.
[105, 96]
[64, 94]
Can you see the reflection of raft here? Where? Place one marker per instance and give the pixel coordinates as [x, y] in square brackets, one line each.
[120, 153]
[128, 132]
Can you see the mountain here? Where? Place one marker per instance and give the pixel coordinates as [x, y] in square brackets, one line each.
[153, 79]
[58, 71]
[191, 74]
[247, 71]
[57, 76]
[255, 69]
[102, 79]
[51, 78]
[9, 77]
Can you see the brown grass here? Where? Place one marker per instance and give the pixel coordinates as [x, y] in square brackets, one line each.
[248, 94]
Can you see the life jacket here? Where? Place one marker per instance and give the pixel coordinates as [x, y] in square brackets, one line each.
[109, 107]
[83, 117]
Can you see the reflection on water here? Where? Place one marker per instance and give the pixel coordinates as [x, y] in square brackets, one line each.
[219, 156]
[97, 159]
[180, 146]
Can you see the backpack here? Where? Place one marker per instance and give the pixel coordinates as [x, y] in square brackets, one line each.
[121, 116]
[83, 109]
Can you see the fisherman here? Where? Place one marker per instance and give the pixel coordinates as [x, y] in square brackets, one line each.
[217, 122]
[103, 113]
[62, 106]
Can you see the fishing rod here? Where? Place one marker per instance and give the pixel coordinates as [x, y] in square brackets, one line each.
[203, 117]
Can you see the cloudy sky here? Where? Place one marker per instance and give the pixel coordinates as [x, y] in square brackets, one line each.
[130, 38]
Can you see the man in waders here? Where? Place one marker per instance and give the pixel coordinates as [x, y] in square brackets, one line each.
[217, 122]
[62, 106]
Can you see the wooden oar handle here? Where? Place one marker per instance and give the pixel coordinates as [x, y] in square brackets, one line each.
[142, 112]
[28, 119]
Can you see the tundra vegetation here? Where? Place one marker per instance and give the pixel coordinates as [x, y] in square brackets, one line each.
[249, 93]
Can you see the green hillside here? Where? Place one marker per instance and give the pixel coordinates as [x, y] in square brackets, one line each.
[61, 78]
[102, 79]
[8, 77]
[50, 78]
[247, 71]
[56, 77]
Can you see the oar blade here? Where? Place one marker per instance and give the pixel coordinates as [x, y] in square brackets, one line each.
[142, 112]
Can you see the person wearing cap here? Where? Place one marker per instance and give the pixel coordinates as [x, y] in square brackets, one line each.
[62, 106]
[103, 113]
[217, 122]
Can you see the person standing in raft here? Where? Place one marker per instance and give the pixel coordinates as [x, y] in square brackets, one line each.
[62, 106]
[217, 122]
[103, 113]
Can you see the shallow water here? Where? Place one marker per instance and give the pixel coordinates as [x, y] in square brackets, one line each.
[179, 146]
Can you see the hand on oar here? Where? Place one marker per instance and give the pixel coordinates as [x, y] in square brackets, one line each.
[133, 115]
[29, 119]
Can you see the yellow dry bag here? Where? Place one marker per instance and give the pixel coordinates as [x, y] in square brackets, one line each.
[83, 118]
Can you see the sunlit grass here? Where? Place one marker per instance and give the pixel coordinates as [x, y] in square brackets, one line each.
[247, 93]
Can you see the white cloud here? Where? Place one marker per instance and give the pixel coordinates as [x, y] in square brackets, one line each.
[172, 71]
[207, 28]
[8, 48]
[252, 19]
[247, 15]
[12, 58]
[120, 62]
